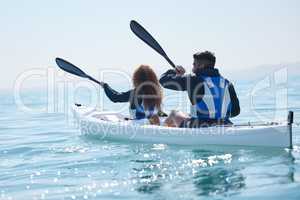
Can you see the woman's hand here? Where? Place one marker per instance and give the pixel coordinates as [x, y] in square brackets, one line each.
[154, 120]
[101, 83]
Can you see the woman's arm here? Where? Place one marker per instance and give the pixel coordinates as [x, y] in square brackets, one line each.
[115, 96]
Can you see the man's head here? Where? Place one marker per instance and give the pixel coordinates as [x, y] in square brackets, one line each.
[202, 60]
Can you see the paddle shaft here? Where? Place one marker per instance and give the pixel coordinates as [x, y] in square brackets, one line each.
[92, 79]
[170, 62]
[146, 37]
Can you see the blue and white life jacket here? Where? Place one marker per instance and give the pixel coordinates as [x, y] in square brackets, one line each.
[215, 103]
[140, 113]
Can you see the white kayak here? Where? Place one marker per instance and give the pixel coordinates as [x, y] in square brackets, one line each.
[113, 126]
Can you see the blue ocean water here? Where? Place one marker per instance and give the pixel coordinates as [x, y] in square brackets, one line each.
[44, 156]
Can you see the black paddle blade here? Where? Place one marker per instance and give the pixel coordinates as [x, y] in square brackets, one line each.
[69, 67]
[144, 35]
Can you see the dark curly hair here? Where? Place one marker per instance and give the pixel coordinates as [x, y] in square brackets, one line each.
[147, 87]
[206, 57]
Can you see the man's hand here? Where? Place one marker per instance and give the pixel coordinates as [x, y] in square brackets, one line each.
[180, 70]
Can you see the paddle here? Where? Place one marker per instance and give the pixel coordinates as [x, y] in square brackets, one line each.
[69, 67]
[144, 35]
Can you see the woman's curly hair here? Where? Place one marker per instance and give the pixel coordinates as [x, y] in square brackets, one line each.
[147, 87]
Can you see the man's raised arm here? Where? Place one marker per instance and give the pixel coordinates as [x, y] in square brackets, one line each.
[172, 80]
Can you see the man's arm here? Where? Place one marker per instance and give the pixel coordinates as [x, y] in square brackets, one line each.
[235, 110]
[171, 80]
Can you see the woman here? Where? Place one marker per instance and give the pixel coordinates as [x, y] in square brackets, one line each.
[146, 97]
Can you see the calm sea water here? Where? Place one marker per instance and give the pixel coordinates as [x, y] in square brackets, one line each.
[44, 156]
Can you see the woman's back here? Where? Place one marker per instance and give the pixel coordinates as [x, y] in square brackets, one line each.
[146, 97]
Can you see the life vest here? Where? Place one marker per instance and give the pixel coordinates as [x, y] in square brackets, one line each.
[140, 113]
[215, 103]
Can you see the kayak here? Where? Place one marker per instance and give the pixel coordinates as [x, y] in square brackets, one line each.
[112, 126]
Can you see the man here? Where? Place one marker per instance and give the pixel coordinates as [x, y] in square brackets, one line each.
[212, 97]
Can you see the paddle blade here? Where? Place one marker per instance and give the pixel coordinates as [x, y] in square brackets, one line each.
[144, 35]
[69, 67]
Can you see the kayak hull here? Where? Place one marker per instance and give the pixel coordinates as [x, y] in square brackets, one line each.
[95, 123]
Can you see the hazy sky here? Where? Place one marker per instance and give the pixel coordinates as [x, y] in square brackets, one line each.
[96, 34]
